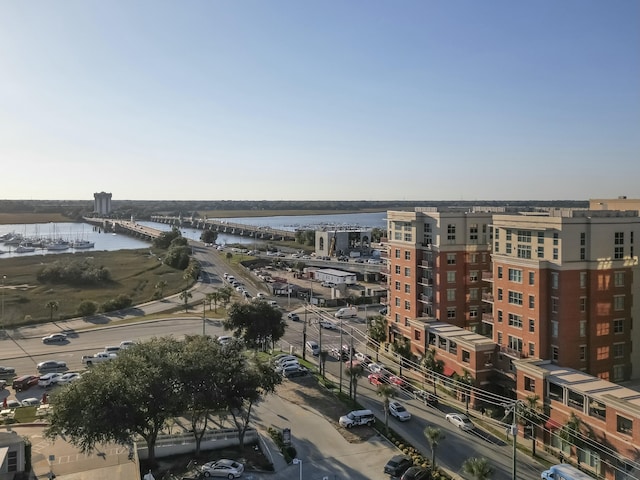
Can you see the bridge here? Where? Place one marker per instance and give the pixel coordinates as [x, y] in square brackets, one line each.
[230, 228]
[122, 226]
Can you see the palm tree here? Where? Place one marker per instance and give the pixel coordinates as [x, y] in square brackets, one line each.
[323, 359]
[214, 297]
[466, 380]
[387, 392]
[52, 305]
[225, 294]
[571, 432]
[435, 366]
[355, 372]
[185, 295]
[160, 286]
[528, 413]
[478, 468]
[434, 437]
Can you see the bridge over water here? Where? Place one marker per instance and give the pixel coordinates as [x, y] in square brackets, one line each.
[126, 227]
[230, 228]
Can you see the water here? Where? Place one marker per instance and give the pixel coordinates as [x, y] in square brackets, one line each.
[284, 222]
[70, 232]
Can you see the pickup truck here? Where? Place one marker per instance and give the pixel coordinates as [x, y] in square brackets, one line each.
[99, 357]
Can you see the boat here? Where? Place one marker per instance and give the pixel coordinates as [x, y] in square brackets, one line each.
[25, 247]
[82, 244]
[58, 246]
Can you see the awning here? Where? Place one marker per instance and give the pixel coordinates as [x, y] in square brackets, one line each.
[448, 371]
[552, 425]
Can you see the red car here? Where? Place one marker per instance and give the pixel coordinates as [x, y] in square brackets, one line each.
[378, 379]
[396, 381]
[25, 382]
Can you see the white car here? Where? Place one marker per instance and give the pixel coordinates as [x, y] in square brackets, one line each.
[126, 344]
[461, 421]
[30, 402]
[396, 409]
[68, 378]
[49, 379]
[55, 338]
[362, 357]
[51, 365]
[284, 365]
[261, 295]
[224, 339]
[328, 325]
[375, 367]
[223, 468]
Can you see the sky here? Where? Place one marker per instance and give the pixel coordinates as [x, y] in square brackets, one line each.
[325, 100]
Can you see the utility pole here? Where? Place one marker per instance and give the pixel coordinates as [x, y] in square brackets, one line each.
[304, 335]
[340, 350]
[204, 319]
[513, 429]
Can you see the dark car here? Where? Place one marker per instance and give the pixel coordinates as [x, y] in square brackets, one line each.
[293, 317]
[25, 382]
[7, 371]
[426, 397]
[397, 465]
[416, 473]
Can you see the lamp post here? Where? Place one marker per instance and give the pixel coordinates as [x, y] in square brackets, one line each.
[4, 277]
[297, 461]
[204, 319]
[340, 355]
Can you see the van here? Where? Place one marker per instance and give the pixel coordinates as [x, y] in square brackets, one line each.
[358, 417]
[346, 312]
[313, 347]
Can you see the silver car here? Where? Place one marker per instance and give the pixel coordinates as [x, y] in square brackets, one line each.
[51, 365]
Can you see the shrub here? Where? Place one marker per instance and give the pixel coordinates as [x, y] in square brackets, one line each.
[87, 308]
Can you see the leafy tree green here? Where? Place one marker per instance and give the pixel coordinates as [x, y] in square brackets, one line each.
[185, 295]
[87, 308]
[378, 329]
[52, 306]
[160, 286]
[74, 272]
[434, 436]
[178, 257]
[165, 238]
[226, 293]
[257, 323]
[118, 303]
[478, 468]
[214, 297]
[377, 234]
[354, 373]
[387, 392]
[463, 384]
[135, 394]
[434, 365]
[209, 236]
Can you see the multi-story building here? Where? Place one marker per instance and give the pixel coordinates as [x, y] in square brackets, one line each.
[563, 285]
[436, 261]
[102, 203]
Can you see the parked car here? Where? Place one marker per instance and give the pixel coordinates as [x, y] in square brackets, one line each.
[3, 384]
[426, 397]
[51, 365]
[362, 357]
[357, 417]
[328, 325]
[288, 364]
[126, 344]
[461, 421]
[397, 381]
[13, 403]
[397, 465]
[279, 360]
[25, 382]
[223, 468]
[313, 347]
[295, 371]
[377, 379]
[49, 379]
[328, 284]
[416, 473]
[293, 317]
[30, 402]
[375, 367]
[55, 338]
[261, 295]
[68, 378]
[396, 409]
[4, 371]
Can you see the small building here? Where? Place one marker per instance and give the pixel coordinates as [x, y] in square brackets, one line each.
[335, 276]
[12, 455]
[336, 243]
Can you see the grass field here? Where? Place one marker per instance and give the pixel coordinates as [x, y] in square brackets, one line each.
[134, 273]
[25, 218]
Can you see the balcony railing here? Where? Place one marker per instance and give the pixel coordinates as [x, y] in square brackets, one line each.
[487, 276]
[426, 263]
[425, 281]
[487, 297]
[426, 299]
[487, 317]
[512, 352]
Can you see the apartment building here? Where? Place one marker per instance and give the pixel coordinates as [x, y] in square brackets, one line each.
[436, 261]
[563, 285]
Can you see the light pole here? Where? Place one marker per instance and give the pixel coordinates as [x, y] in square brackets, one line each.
[513, 428]
[340, 350]
[204, 319]
[4, 277]
[297, 461]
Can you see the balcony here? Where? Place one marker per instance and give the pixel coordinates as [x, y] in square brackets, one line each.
[426, 299]
[512, 352]
[487, 317]
[425, 281]
[426, 264]
[427, 246]
[487, 297]
[487, 276]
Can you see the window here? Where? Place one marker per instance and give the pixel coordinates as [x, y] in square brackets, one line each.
[524, 236]
[473, 294]
[618, 238]
[407, 305]
[473, 232]
[583, 239]
[407, 288]
[499, 294]
[497, 232]
[529, 383]
[515, 343]
[618, 253]
[532, 349]
[451, 294]
[554, 329]
[515, 275]
[407, 322]
[515, 320]
[499, 272]
[618, 373]
[451, 258]
[508, 248]
[466, 357]
[555, 254]
[583, 279]
[583, 253]
[397, 317]
[397, 253]
[583, 304]
[618, 279]
[416, 335]
[473, 276]
[618, 326]
[499, 338]
[499, 316]
[509, 235]
[408, 237]
[555, 304]
[532, 278]
[618, 350]
[532, 325]
[555, 280]
[473, 313]
[556, 236]
[583, 328]
[540, 252]
[407, 255]
[451, 276]
[554, 353]
[624, 425]
[583, 353]
[515, 298]
[407, 272]
[397, 285]
[397, 301]
[473, 258]
[398, 269]
[451, 232]
[532, 301]
[496, 246]
[618, 302]
[427, 227]
[451, 313]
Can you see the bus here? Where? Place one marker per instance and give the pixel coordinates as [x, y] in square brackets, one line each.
[564, 471]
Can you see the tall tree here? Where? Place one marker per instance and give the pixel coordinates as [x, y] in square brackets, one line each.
[324, 354]
[226, 293]
[529, 415]
[464, 383]
[434, 436]
[52, 306]
[133, 394]
[160, 286]
[434, 365]
[257, 323]
[214, 297]
[185, 295]
[355, 373]
[387, 392]
[478, 468]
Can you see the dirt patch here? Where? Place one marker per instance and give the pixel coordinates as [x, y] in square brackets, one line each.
[308, 392]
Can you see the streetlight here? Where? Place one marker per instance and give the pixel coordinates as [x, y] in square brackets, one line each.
[204, 320]
[4, 277]
[297, 461]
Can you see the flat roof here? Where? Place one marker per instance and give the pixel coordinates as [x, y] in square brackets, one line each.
[459, 335]
[336, 272]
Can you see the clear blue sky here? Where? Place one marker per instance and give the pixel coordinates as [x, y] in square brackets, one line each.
[302, 100]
